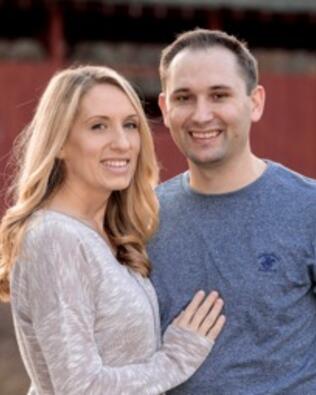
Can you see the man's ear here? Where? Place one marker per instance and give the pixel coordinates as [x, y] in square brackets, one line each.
[257, 101]
[163, 108]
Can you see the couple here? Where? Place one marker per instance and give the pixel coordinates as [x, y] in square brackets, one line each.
[73, 256]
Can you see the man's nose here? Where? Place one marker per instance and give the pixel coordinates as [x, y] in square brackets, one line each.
[202, 111]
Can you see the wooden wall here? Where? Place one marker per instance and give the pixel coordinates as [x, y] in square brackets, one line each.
[287, 132]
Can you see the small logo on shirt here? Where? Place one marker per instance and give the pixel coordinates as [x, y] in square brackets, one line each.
[268, 262]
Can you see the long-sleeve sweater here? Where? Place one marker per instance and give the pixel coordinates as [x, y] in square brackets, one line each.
[85, 323]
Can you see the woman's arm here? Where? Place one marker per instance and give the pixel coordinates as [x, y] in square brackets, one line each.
[63, 319]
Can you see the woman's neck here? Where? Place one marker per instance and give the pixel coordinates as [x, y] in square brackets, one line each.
[84, 206]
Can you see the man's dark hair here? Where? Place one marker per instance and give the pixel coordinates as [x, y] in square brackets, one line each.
[204, 39]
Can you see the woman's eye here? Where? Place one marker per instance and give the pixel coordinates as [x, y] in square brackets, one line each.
[131, 125]
[98, 126]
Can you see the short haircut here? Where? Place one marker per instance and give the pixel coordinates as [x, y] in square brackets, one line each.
[202, 39]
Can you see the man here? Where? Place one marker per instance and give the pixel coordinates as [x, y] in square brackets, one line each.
[235, 223]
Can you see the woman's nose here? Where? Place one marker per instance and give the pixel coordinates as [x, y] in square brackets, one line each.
[120, 139]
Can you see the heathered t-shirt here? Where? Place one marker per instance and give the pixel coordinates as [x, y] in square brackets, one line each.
[256, 246]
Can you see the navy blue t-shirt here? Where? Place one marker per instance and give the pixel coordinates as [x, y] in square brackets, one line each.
[256, 246]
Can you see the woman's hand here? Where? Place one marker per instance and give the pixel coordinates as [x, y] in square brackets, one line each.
[203, 315]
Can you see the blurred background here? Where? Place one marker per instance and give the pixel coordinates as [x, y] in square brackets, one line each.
[38, 37]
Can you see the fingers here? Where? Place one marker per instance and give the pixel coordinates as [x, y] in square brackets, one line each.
[203, 315]
[211, 316]
[203, 311]
[217, 328]
[186, 316]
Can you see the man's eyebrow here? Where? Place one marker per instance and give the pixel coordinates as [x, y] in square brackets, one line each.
[219, 87]
[210, 88]
[180, 90]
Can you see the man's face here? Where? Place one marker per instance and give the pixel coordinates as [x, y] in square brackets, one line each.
[206, 106]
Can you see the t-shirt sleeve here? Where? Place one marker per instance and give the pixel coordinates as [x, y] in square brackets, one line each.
[63, 310]
[311, 231]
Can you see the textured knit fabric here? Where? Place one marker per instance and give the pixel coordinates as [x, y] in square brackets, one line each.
[86, 324]
[256, 246]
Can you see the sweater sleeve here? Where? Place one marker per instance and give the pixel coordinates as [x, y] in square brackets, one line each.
[59, 286]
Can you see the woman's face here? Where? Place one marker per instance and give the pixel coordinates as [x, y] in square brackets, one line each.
[103, 145]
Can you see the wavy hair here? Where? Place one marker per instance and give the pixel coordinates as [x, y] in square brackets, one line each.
[132, 214]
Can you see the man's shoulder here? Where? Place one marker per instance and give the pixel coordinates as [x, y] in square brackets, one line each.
[294, 180]
[295, 191]
[171, 187]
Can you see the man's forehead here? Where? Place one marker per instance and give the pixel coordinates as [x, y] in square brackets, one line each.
[198, 55]
[214, 66]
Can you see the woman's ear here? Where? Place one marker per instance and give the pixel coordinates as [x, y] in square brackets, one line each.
[61, 153]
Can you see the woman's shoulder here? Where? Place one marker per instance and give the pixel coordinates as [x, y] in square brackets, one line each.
[53, 255]
[58, 238]
[55, 239]
[45, 225]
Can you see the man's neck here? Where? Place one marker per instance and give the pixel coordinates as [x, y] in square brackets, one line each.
[219, 179]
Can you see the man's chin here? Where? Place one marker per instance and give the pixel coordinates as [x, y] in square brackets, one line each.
[207, 162]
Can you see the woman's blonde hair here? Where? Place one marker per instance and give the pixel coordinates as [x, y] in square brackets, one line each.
[132, 214]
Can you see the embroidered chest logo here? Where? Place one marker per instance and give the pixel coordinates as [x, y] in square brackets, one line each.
[268, 262]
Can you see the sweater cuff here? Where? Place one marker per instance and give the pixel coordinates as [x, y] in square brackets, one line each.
[191, 348]
[190, 337]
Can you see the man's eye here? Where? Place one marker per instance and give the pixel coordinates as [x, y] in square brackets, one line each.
[182, 98]
[219, 96]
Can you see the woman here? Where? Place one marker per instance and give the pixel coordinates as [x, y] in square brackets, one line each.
[73, 247]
